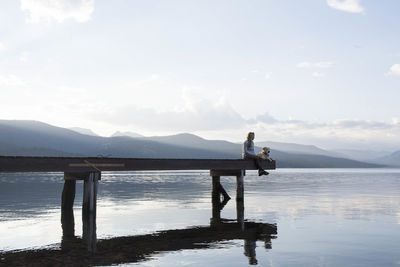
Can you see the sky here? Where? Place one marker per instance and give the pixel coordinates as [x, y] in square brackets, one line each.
[321, 72]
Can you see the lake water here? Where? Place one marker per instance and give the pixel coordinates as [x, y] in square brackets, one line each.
[324, 217]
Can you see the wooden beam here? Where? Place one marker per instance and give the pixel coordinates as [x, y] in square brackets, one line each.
[77, 176]
[227, 172]
[89, 164]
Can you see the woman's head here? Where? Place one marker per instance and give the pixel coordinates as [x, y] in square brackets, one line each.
[250, 136]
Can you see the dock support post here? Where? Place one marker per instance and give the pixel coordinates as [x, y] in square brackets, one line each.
[67, 213]
[89, 210]
[68, 194]
[215, 186]
[215, 199]
[240, 198]
[240, 212]
[240, 185]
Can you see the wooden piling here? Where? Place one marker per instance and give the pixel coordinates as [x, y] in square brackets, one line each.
[90, 192]
[89, 210]
[67, 223]
[68, 194]
[240, 185]
[215, 186]
[240, 213]
[215, 200]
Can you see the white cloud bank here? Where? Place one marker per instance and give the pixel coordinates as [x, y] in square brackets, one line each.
[57, 10]
[2, 47]
[315, 65]
[10, 80]
[24, 56]
[352, 6]
[203, 116]
[319, 65]
[318, 74]
[221, 121]
[394, 70]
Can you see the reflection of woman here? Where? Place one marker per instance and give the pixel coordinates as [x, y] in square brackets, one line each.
[248, 153]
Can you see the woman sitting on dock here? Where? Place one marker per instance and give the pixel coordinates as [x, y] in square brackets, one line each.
[248, 153]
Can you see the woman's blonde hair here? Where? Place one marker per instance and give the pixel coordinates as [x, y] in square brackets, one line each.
[248, 139]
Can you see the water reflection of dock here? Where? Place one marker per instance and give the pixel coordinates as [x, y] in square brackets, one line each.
[127, 249]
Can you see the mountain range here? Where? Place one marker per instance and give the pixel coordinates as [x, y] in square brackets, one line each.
[33, 138]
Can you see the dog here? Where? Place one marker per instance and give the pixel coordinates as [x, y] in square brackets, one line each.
[264, 154]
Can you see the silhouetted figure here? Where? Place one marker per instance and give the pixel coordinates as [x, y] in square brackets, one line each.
[250, 251]
[248, 153]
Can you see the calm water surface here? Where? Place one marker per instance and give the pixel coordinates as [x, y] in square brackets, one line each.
[324, 217]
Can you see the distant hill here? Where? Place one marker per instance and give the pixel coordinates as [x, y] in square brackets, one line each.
[362, 155]
[13, 150]
[36, 137]
[129, 134]
[33, 138]
[291, 160]
[196, 142]
[83, 131]
[298, 148]
[392, 159]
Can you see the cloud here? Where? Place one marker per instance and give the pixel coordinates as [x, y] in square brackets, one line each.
[218, 119]
[320, 65]
[394, 70]
[315, 65]
[352, 6]
[265, 118]
[193, 117]
[24, 56]
[2, 47]
[361, 124]
[57, 10]
[317, 74]
[10, 81]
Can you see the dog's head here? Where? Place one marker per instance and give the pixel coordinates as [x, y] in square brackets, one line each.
[266, 150]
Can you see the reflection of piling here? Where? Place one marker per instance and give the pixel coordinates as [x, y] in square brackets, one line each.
[130, 249]
[250, 251]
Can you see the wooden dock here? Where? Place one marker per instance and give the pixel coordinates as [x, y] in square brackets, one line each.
[89, 170]
[89, 164]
